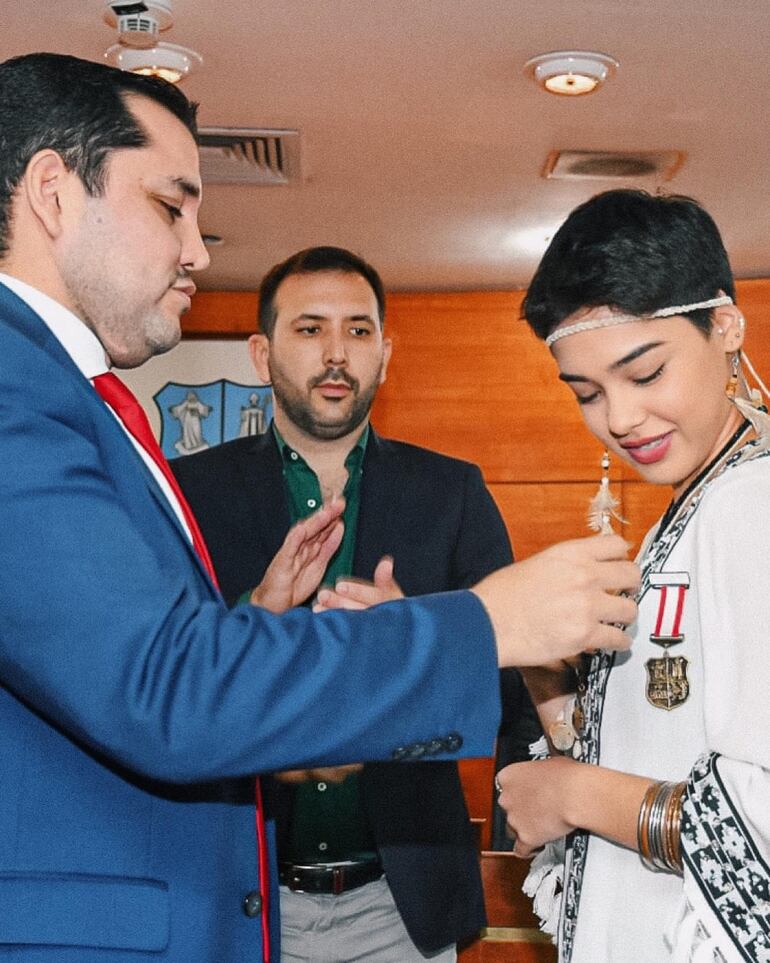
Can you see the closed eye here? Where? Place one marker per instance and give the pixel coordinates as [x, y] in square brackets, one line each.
[173, 211]
[586, 399]
[648, 379]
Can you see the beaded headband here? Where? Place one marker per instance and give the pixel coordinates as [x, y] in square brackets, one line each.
[611, 319]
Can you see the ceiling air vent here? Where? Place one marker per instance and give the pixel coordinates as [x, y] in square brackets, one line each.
[239, 155]
[589, 165]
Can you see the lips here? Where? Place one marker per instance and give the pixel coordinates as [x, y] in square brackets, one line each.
[334, 389]
[647, 451]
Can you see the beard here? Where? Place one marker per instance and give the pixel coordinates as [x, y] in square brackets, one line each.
[297, 405]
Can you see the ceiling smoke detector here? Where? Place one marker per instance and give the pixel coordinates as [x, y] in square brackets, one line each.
[138, 48]
[571, 73]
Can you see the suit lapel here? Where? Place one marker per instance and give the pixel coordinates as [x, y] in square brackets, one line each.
[381, 508]
[262, 471]
[18, 315]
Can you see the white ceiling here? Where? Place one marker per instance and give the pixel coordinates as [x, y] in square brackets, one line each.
[423, 142]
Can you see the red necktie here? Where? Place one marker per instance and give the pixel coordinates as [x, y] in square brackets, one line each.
[127, 408]
[131, 413]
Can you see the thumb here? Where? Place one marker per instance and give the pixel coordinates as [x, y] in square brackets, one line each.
[383, 573]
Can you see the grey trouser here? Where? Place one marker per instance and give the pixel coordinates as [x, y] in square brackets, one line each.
[362, 924]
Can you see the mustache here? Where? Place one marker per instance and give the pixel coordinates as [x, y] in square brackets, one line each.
[334, 374]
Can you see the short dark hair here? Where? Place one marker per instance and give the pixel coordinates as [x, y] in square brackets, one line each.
[632, 251]
[78, 109]
[310, 261]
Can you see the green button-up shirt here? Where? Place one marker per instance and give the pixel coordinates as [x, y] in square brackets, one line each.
[328, 823]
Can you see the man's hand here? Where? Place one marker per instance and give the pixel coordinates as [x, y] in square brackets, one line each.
[562, 601]
[334, 774]
[299, 564]
[352, 593]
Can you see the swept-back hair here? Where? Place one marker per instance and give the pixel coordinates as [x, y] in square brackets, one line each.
[78, 109]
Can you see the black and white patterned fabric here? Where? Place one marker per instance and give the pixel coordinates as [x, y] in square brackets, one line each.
[719, 852]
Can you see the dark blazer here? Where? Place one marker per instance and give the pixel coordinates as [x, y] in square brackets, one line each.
[434, 515]
[133, 702]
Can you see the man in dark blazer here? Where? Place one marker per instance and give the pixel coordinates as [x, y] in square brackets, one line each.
[134, 705]
[433, 516]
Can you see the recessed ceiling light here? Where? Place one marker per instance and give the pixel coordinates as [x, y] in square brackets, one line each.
[166, 60]
[571, 73]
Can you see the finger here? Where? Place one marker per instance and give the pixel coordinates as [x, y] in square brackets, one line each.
[601, 548]
[314, 524]
[610, 637]
[619, 576]
[329, 599]
[336, 504]
[330, 544]
[617, 609]
[362, 593]
[522, 851]
[383, 573]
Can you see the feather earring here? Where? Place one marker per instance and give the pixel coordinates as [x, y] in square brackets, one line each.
[603, 507]
[752, 408]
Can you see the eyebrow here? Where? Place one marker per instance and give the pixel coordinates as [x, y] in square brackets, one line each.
[187, 187]
[306, 316]
[626, 359]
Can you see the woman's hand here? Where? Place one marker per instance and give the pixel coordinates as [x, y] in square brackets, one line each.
[533, 795]
[549, 798]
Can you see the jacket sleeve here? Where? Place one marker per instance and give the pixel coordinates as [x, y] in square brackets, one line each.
[112, 633]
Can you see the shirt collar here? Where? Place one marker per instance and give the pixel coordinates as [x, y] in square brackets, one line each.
[353, 458]
[77, 339]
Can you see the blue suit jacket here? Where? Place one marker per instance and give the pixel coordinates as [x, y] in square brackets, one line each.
[434, 515]
[132, 702]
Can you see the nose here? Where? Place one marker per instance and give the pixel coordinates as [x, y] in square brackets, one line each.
[335, 353]
[624, 413]
[194, 256]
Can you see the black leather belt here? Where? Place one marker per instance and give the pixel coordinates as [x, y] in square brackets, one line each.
[329, 879]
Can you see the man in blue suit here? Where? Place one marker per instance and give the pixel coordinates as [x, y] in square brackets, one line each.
[134, 706]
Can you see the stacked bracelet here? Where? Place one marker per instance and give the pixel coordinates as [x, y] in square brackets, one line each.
[659, 826]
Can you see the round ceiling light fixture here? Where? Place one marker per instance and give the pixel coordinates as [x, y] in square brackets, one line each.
[166, 60]
[138, 49]
[571, 73]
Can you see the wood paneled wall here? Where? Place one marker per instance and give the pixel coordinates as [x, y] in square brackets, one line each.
[468, 378]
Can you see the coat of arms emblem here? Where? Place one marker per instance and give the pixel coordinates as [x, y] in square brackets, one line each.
[197, 417]
[667, 683]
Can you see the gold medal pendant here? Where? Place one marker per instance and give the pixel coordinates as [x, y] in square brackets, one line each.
[667, 682]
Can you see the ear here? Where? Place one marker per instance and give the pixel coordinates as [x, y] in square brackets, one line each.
[259, 352]
[387, 349]
[45, 185]
[729, 325]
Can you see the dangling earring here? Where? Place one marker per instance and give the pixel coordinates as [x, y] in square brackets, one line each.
[603, 506]
[752, 407]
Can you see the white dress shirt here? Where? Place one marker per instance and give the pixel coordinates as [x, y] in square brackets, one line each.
[85, 349]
